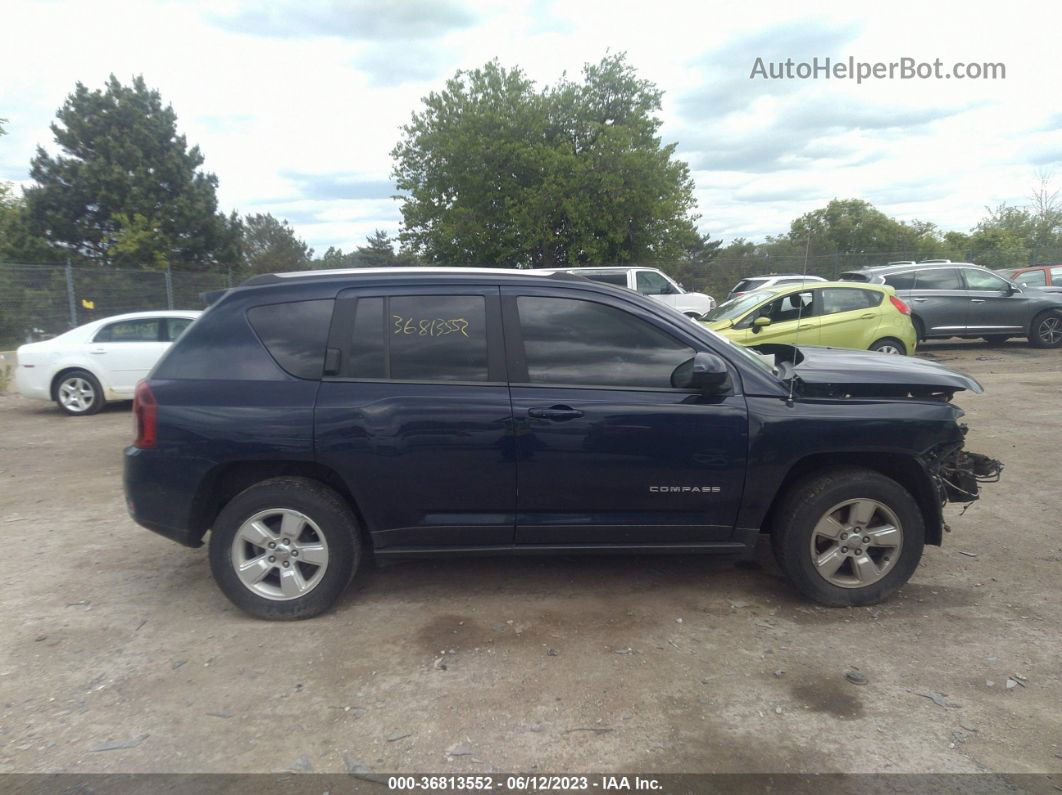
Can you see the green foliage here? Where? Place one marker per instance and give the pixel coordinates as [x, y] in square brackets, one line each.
[18, 242]
[270, 245]
[498, 173]
[126, 184]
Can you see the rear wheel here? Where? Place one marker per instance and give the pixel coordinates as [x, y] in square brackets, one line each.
[78, 393]
[1046, 330]
[848, 536]
[285, 548]
[889, 345]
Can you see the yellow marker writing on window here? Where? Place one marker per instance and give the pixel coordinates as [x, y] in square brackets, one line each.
[429, 327]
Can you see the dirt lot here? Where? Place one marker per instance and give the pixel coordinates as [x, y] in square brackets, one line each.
[112, 635]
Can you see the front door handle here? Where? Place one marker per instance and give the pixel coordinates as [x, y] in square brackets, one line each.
[977, 300]
[98, 350]
[556, 413]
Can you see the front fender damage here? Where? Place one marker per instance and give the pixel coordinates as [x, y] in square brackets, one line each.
[958, 474]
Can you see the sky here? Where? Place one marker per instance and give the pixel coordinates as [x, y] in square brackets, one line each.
[297, 104]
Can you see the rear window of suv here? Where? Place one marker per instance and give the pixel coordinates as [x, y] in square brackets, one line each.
[295, 334]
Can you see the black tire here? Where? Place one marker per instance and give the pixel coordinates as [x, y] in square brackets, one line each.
[996, 339]
[810, 499]
[1046, 330]
[330, 515]
[920, 329]
[67, 381]
[889, 345]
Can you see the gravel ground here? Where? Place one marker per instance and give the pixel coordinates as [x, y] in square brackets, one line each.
[119, 654]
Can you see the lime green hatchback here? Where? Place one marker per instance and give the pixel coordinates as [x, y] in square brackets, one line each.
[834, 314]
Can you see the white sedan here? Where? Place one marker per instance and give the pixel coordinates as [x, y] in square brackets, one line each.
[99, 361]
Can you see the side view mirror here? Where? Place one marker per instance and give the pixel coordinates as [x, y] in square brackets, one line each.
[710, 373]
[760, 323]
[1014, 288]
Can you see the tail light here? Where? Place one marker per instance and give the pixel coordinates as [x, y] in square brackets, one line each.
[145, 415]
[900, 305]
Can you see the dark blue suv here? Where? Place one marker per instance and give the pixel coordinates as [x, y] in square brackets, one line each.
[309, 419]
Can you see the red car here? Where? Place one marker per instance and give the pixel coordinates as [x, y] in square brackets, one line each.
[1035, 275]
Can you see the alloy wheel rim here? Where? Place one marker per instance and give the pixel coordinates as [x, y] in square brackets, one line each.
[856, 543]
[279, 554]
[76, 394]
[1050, 330]
[889, 349]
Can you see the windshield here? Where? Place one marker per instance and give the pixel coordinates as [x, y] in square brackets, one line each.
[736, 307]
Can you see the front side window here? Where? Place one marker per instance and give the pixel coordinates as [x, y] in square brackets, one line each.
[652, 283]
[420, 338]
[571, 341]
[938, 279]
[983, 280]
[840, 299]
[788, 308]
[145, 330]
[176, 326]
[1034, 278]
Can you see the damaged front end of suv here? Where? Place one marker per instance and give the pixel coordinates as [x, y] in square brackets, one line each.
[845, 375]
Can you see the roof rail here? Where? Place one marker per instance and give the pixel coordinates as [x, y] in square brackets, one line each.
[901, 262]
[935, 262]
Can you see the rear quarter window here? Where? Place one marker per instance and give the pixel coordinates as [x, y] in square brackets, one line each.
[295, 334]
[901, 281]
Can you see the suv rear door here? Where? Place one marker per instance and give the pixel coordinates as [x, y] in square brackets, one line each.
[939, 300]
[608, 453]
[415, 402]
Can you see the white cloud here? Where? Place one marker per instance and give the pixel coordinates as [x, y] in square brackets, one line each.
[292, 103]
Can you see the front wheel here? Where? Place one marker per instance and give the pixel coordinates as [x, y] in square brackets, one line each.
[889, 345]
[1046, 330]
[848, 536]
[79, 393]
[285, 548]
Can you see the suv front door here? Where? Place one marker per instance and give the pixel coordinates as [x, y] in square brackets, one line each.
[994, 308]
[415, 402]
[608, 452]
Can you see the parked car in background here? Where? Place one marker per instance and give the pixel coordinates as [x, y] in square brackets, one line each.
[309, 419]
[653, 283]
[99, 361]
[960, 299]
[750, 283]
[834, 314]
[1048, 277]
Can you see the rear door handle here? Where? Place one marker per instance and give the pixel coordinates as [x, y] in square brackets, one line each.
[98, 350]
[920, 300]
[977, 300]
[556, 413]
[866, 317]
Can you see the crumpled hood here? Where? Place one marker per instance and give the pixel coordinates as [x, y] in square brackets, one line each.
[840, 366]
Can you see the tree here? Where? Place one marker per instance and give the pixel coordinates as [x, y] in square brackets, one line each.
[270, 245]
[496, 172]
[126, 186]
[18, 243]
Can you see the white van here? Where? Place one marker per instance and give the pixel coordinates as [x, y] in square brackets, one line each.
[653, 283]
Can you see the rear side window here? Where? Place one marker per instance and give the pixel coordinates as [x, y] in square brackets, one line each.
[901, 281]
[618, 279]
[747, 284]
[420, 338]
[840, 299]
[295, 334]
[176, 326]
[570, 341]
[144, 330]
[939, 279]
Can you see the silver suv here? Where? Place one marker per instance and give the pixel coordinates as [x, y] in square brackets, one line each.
[960, 299]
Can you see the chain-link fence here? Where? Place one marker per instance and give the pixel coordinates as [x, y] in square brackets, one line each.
[40, 301]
